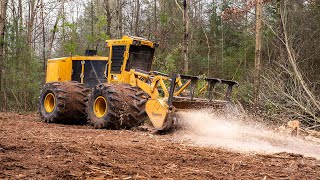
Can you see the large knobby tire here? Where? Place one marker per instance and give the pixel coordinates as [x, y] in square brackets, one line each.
[63, 102]
[116, 106]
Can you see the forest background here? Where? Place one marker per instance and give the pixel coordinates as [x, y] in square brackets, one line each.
[220, 42]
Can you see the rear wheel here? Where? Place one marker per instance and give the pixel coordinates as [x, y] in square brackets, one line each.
[116, 106]
[63, 102]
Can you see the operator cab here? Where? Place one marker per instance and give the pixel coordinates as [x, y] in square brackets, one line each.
[129, 53]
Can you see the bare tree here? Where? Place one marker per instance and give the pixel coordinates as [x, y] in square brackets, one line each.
[43, 37]
[186, 37]
[185, 49]
[292, 61]
[119, 18]
[3, 17]
[109, 17]
[155, 26]
[54, 31]
[286, 91]
[136, 23]
[257, 69]
[31, 19]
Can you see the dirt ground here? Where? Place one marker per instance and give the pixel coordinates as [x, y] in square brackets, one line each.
[31, 149]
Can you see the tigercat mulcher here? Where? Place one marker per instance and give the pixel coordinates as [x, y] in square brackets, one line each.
[120, 91]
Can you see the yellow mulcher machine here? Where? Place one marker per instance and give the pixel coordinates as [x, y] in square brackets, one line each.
[120, 91]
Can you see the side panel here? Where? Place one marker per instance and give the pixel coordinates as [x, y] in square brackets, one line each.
[52, 71]
[59, 70]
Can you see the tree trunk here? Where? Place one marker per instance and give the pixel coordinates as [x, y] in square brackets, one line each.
[162, 44]
[132, 16]
[213, 26]
[64, 23]
[155, 30]
[292, 60]
[55, 29]
[136, 23]
[32, 13]
[43, 39]
[20, 14]
[186, 37]
[109, 18]
[257, 62]
[92, 25]
[3, 17]
[17, 27]
[119, 18]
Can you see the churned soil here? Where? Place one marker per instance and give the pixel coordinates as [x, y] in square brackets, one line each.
[32, 149]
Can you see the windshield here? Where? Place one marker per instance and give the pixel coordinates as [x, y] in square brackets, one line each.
[140, 57]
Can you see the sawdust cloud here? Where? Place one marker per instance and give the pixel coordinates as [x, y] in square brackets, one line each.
[236, 131]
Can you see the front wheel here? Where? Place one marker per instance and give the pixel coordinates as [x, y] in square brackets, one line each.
[116, 106]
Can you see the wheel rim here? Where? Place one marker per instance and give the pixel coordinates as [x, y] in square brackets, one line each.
[49, 103]
[100, 106]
